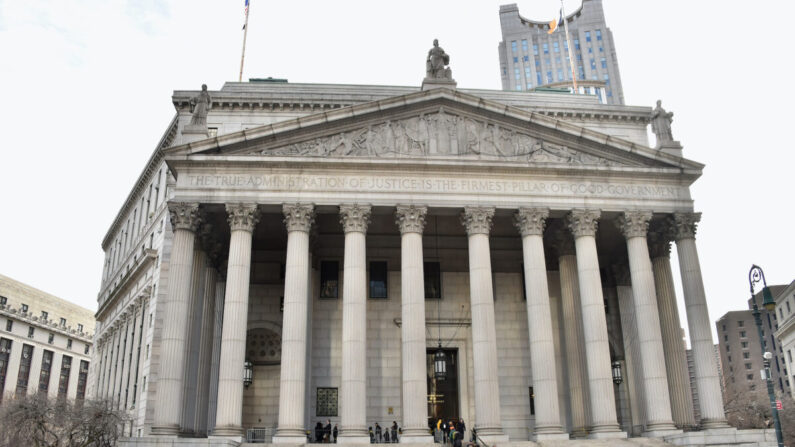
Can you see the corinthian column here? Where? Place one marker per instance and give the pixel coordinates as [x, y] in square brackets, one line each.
[530, 223]
[673, 345]
[604, 424]
[353, 402]
[298, 218]
[411, 221]
[229, 414]
[477, 221]
[635, 226]
[184, 220]
[707, 381]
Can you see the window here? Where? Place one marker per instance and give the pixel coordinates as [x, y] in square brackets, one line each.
[515, 60]
[742, 334]
[593, 64]
[513, 46]
[744, 344]
[598, 34]
[378, 274]
[556, 47]
[79, 328]
[601, 49]
[789, 355]
[749, 377]
[516, 74]
[546, 48]
[789, 310]
[24, 308]
[538, 78]
[31, 331]
[724, 327]
[3, 300]
[549, 77]
[82, 379]
[9, 325]
[527, 75]
[747, 366]
[432, 276]
[524, 45]
[44, 375]
[50, 338]
[590, 50]
[87, 348]
[577, 44]
[5, 353]
[525, 58]
[730, 359]
[781, 313]
[329, 279]
[44, 315]
[557, 60]
[604, 63]
[24, 370]
[560, 74]
[63, 321]
[532, 402]
[587, 36]
[63, 379]
[725, 337]
[740, 323]
[535, 49]
[69, 343]
[327, 399]
[746, 355]
[728, 348]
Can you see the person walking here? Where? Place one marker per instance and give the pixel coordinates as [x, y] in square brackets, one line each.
[327, 432]
[394, 431]
[319, 432]
[334, 433]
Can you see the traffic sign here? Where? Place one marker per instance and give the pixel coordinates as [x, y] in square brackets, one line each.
[778, 405]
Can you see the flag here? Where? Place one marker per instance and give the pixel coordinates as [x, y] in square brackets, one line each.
[553, 25]
[246, 7]
[246, 12]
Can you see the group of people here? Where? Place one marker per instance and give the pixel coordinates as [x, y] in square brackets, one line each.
[451, 432]
[325, 434]
[388, 434]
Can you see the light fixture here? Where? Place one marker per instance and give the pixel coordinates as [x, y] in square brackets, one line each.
[247, 373]
[769, 303]
[440, 364]
[617, 378]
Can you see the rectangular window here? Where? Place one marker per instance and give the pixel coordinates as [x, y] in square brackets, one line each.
[24, 308]
[9, 325]
[746, 355]
[44, 315]
[781, 313]
[3, 300]
[63, 379]
[516, 73]
[601, 49]
[538, 78]
[744, 344]
[529, 86]
[730, 359]
[69, 343]
[31, 331]
[44, 375]
[527, 73]
[546, 48]
[535, 49]
[580, 72]
[789, 355]
[550, 79]
[81, 380]
[378, 278]
[747, 366]
[524, 45]
[88, 348]
[740, 323]
[63, 321]
[577, 44]
[749, 377]
[24, 370]
[329, 279]
[5, 353]
[556, 47]
[79, 328]
[593, 64]
[518, 87]
[725, 337]
[327, 399]
[604, 63]
[51, 338]
[587, 36]
[598, 34]
[789, 309]
[513, 46]
[532, 402]
[525, 58]
[742, 334]
[515, 59]
[557, 60]
[432, 276]
[560, 74]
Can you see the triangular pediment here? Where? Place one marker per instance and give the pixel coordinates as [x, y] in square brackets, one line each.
[436, 124]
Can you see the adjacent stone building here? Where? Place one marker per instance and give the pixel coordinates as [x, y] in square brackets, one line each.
[530, 57]
[45, 344]
[785, 310]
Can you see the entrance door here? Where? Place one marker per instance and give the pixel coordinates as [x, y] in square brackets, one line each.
[443, 394]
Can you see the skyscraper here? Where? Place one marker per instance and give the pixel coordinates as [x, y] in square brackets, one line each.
[530, 57]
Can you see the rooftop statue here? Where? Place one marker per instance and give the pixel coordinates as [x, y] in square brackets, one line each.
[436, 62]
[201, 105]
[661, 124]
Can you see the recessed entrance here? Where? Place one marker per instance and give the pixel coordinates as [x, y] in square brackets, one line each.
[443, 400]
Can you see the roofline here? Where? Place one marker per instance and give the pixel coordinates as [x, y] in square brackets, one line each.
[569, 18]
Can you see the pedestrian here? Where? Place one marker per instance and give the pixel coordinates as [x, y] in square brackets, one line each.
[335, 432]
[372, 435]
[319, 432]
[446, 431]
[377, 432]
[386, 435]
[394, 431]
[327, 432]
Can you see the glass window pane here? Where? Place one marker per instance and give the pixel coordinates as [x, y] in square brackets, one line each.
[329, 279]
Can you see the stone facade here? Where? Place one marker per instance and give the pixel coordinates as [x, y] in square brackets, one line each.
[334, 236]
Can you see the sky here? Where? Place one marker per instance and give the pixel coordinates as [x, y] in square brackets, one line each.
[87, 84]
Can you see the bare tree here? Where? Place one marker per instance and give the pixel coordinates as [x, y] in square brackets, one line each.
[40, 422]
[751, 409]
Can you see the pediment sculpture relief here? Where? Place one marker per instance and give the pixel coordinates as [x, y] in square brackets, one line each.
[439, 135]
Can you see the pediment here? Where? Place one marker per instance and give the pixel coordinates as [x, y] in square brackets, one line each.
[440, 124]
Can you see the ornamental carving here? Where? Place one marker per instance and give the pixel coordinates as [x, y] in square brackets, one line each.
[634, 223]
[184, 215]
[440, 134]
[531, 221]
[355, 217]
[242, 216]
[685, 225]
[211, 245]
[477, 220]
[660, 236]
[583, 222]
[299, 216]
[410, 218]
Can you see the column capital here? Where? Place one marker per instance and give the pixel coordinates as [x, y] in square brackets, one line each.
[583, 222]
[355, 217]
[634, 223]
[685, 225]
[477, 219]
[410, 218]
[660, 236]
[298, 216]
[242, 216]
[531, 221]
[184, 215]
[211, 245]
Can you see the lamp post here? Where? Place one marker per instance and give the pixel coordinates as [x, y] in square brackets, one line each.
[755, 276]
[248, 370]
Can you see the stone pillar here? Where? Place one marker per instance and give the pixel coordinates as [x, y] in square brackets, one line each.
[185, 220]
[229, 414]
[530, 223]
[353, 399]
[604, 424]
[673, 344]
[206, 334]
[411, 221]
[574, 341]
[629, 330]
[706, 368]
[659, 422]
[298, 218]
[189, 404]
[477, 221]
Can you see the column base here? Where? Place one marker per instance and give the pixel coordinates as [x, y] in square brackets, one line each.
[160, 441]
[413, 439]
[724, 437]
[540, 437]
[353, 439]
[290, 439]
[661, 433]
[707, 424]
[608, 432]
[229, 432]
[166, 431]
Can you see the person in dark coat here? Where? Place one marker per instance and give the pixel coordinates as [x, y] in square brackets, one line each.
[386, 435]
[394, 431]
[377, 432]
[334, 433]
[319, 432]
[327, 431]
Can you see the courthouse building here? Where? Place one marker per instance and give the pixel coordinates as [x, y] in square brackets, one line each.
[293, 253]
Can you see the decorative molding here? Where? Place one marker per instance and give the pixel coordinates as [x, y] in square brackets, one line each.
[184, 216]
[583, 222]
[531, 221]
[634, 223]
[477, 220]
[439, 134]
[299, 216]
[242, 216]
[410, 218]
[685, 225]
[355, 217]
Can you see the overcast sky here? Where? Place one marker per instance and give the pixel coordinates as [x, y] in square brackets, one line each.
[86, 95]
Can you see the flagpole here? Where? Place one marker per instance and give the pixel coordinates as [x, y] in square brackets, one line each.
[569, 50]
[245, 34]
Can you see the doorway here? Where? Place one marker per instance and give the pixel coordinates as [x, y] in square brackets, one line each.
[443, 399]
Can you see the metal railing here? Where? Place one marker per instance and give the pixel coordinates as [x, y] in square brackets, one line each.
[260, 435]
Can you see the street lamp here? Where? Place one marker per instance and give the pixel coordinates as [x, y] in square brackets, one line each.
[248, 370]
[440, 364]
[616, 367]
[755, 276]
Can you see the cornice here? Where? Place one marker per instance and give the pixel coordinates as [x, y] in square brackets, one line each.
[148, 257]
[48, 325]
